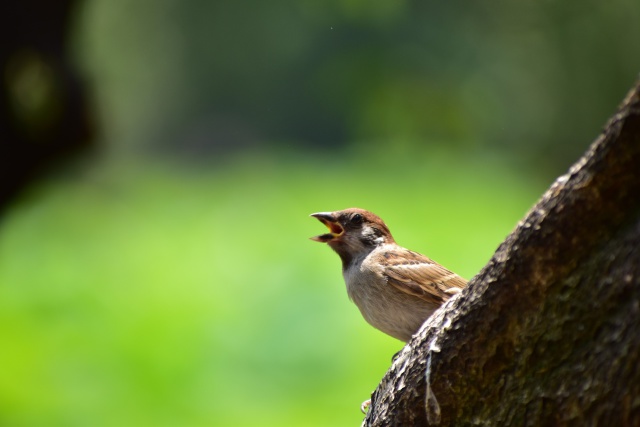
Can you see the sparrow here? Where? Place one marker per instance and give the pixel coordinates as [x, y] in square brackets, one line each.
[395, 289]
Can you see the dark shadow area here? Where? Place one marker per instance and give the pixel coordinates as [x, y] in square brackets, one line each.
[44, 114]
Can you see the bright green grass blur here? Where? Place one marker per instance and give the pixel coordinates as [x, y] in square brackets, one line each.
[156, 296]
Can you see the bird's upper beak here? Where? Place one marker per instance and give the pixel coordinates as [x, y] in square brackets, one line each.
[335, 229]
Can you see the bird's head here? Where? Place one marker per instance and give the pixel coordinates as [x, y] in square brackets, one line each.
[352, 232]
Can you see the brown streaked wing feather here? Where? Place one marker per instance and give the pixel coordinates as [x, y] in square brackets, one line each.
[417, 275]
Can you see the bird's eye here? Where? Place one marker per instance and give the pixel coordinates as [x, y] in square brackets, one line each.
[356, 219]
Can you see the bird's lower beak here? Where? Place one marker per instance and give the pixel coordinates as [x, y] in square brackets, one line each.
[335, 229]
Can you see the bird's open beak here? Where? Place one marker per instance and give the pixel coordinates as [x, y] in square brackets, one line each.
[335, 229]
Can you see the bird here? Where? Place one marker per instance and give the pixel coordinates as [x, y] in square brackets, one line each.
[396, 289]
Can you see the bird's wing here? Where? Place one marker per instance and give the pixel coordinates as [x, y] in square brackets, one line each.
[417, 275]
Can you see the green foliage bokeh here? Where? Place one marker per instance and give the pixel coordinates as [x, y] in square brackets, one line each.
[168, 280]
[167, 297]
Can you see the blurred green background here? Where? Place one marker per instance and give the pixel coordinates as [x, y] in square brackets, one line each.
[166, 279]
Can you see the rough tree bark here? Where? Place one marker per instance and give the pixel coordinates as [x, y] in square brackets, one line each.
[548, 333]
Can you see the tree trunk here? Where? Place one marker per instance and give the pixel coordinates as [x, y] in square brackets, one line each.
[548, 333]
[45, 115]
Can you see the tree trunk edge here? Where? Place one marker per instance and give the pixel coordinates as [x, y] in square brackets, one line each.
[561, 279]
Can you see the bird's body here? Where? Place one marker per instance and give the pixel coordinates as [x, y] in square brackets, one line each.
[400, 304]
[395, 289]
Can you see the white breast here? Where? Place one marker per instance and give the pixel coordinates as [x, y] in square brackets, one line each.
[382, 305]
